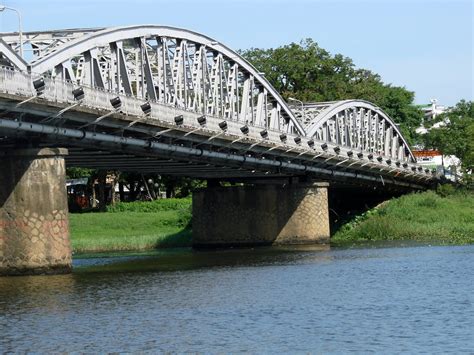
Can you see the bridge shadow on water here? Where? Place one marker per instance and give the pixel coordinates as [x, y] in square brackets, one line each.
[185, 259]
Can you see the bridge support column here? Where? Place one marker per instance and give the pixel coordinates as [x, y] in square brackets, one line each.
[34, 229]
[260, 215]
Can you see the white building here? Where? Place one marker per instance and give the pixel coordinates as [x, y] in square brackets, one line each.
[430, 112]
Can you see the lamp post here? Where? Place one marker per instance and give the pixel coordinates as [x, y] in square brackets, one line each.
[3, 8]
[303, 114]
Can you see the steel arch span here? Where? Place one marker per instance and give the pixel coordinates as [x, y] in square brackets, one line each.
[355, 124]
[206, 102]
[167, 65]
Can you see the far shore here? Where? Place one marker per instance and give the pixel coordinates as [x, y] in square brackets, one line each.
[427, 218]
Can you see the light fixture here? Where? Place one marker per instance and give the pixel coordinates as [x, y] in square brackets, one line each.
[324, 146]
[283, 137]
[337, 149]
[311, 143]
[264, 134]
[223, 125]
[360, 155]
[146, 108]
[297, 140]
[379, 158]
[78, 94]
[39, 86]
[405, 165]
[397, 163]
[202, 120]
[116, 102]
[427, 170]
[389, 161]
[179, 120]
[350, 153]
[413, 168]
[420, 168]
[370, 156]
[244, 129]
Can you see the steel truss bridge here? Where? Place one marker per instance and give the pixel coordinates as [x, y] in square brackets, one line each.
[171, 101]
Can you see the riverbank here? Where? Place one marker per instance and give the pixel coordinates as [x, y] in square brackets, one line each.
[423, 217]
[133, 226]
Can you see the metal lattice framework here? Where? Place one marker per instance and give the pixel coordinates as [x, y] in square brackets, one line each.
[355, 124]
[162, 64]
[208, 113]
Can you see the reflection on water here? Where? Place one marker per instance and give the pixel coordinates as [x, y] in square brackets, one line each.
[298, 299]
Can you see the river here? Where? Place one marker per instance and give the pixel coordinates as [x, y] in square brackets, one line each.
[388, 299]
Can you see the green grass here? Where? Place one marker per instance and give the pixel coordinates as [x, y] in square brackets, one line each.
[425, 217]
[444, 218]
[133, 226]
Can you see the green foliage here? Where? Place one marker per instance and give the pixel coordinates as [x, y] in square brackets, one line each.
[310, 73]
[76, 173]
[457, 137]
[133, 227]
[426, 217]
[166, 204]
[445, 190]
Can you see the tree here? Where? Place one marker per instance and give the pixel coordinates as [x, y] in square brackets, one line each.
[457, 136]
[77, 173]
[310, 73]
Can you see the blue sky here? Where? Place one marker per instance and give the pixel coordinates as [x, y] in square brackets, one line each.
[426, 46]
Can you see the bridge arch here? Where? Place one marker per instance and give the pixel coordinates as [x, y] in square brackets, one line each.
[359, 125]
[172, 66]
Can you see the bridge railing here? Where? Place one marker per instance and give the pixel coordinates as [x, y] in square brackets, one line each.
[15, 82]
[21, 83]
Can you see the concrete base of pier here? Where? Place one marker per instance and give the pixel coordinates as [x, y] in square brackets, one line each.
[34, 229]
[261, 215]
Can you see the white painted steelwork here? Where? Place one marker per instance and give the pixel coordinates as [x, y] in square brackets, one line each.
[184, 74]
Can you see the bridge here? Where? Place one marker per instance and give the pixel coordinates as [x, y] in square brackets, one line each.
[175, 102]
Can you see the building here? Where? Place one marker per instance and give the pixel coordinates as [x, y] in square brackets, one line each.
[430, 112]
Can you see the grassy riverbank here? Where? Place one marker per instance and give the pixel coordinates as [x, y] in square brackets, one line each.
[133, 226]
[423, 217]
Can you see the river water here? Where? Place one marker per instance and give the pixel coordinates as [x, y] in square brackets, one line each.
[263, 300]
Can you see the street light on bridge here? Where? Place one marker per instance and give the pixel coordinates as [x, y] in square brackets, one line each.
[3, 8]
[303, 115]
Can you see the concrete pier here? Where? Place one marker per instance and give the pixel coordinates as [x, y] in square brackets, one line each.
[261, 215]
[34, 229]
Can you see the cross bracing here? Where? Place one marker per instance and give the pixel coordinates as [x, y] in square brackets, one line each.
[206, 105]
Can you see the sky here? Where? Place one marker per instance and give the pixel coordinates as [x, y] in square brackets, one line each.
[425, 46]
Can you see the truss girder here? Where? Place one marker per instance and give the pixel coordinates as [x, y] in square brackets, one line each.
[167, 65]
[183, 72]
[358, 125]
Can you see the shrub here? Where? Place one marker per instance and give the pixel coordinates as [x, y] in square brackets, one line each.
[445, 190]
[168, 204]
